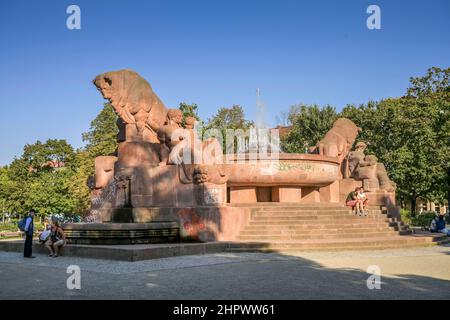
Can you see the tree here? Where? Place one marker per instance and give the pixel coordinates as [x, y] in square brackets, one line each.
[410, 135]
[46, 156]
[412, 154]
[432, 93]
[17, 191]
[38, 179]
[308, 125]
[101, 139]
[77, 186]
[229, 118]
[5, 189]
[435, 82]
[378, 131]
[50, 194]
[189, 110]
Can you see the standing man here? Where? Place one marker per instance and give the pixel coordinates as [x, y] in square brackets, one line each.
[29, 230]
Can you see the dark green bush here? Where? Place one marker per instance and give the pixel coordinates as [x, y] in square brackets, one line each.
[12, 227]
[406, 216]
[423, 219]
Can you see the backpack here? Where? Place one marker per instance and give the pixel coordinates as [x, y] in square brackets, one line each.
[433, 226]
[44, 236]
[22, 223]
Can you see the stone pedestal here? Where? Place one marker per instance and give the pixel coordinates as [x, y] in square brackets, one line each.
[264, 194]
[138, 153]
[381, 198]
[310, 195]
[346, 186]
[209, 194]
[171, 186]
[286, 194]
[104, 170]
[330, 193]
[121, 233]
[243, 195]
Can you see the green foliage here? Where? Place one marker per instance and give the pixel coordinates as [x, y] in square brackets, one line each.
[435, 81]
[406, 216]
[229, 118]
[12, 227]
[6, 185]
[78, 184]
[309, 125]
[189, 110]
[101, 140]
[50, 192]
[410, 134]
[403, 134]
[38, 179]
[51, 177]
[423, 219]
[8, 227]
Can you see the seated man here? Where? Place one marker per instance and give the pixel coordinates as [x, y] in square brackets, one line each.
[438, 224]
[353, 201]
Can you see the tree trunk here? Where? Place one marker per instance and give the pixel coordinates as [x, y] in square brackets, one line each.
[413, 205]
[448, 189]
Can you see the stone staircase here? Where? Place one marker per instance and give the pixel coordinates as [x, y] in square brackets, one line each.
[275, 227]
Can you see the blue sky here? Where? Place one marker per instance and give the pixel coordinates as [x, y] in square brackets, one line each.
[213, 53]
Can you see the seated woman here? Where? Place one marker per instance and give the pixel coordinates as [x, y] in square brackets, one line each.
[57, 239]
[353, 201]
[361, 196]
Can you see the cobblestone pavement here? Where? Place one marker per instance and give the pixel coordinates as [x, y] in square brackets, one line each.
[421, 273]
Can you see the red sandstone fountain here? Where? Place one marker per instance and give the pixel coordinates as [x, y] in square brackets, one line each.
[153, 190]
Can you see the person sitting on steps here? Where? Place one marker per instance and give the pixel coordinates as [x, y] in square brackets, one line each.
[57, 239]
[353, 201]
[361, 196]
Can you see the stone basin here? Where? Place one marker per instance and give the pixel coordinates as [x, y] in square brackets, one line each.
[290, 169]
[121, 233]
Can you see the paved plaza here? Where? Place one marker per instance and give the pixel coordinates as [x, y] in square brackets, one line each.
[419, 273]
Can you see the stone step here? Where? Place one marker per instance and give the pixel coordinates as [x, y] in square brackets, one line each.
[332, 248]
[311, 209]
[308, 213]
[398, 224]
[289, 204]
[282, 231]
[313, 219]
[322, 225]
[135, 252]
[336, 244]
[267, 206]
[324, 235]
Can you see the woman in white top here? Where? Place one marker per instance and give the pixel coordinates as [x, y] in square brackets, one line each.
[360, 195]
